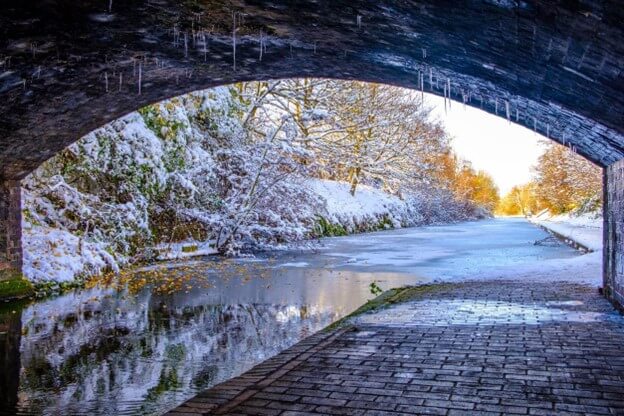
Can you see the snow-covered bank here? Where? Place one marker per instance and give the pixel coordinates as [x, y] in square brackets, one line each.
[59, 254]
[584, 229]
[367, 204]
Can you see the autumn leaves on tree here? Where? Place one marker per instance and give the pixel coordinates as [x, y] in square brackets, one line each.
[563, 182]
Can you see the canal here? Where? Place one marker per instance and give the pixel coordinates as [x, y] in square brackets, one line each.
[148, 346]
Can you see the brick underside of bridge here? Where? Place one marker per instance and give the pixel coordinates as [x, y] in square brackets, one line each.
[614, 234]
[10, 229]
[535, 349]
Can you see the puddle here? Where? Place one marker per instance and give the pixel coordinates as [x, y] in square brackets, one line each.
[479, 312]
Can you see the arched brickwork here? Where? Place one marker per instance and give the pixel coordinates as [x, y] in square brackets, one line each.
[68, 67]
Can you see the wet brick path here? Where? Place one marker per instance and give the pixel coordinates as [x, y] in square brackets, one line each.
[474, 348]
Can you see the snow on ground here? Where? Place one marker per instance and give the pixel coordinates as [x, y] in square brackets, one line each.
[585, 229]
[367, 202]
[585, 269]
[52, 254]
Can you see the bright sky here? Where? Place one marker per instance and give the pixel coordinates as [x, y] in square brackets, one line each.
[505, 150]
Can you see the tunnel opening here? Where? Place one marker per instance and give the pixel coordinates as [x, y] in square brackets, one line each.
[195, 230]
[102, 186]
[136, 184]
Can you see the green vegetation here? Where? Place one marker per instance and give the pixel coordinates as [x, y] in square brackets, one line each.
[389, 298]
[324, 228]
[45, 289]
[190, 249]
[14, 286]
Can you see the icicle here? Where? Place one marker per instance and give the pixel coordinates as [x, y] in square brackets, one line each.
[495, 106]
[120, 81]
[448, 83]
[110, 6]
[140, 77]
[359, 21]
[424, 53]
[314, 48]
[234, 40]
[261, 46]
[430, 79]
[422, 86]
[205, 41]
[185, 45]
[133, 67]
[24, 84]
[548, 130]
[444, 99]
[106, 81]
[507, 111]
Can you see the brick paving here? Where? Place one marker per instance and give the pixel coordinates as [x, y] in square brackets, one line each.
[466, 349]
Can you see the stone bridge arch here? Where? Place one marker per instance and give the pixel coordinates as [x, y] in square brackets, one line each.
[555, 66]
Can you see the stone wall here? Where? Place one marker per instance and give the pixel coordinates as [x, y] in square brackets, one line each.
[614, 233]
[10, 229]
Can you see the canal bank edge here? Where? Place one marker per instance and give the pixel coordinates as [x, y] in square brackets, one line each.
[388, 298]
[564, 239]
[14, 286]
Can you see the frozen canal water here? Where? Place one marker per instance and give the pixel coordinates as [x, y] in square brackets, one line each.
[107, 352]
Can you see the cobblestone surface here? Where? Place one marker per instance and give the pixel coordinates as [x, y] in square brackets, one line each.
[476, 348]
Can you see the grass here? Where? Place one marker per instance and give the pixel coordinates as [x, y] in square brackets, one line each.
[387, 299]
[13, 286]
[189, 249]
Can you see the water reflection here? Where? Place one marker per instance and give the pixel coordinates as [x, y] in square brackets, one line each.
[97, 352]
[10, 336]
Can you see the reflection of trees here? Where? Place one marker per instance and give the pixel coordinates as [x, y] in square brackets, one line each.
[144, 355]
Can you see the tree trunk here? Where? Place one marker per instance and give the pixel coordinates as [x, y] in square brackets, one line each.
[355, 178]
